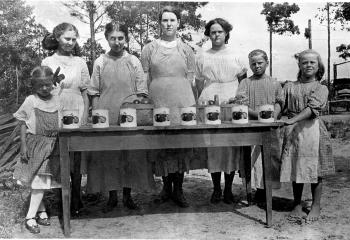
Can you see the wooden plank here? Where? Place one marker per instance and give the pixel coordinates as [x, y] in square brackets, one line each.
[65, 171]
[8, 125]
[115, 128]
[8, 156]
[141, 141]
[6, 118]
[9, 140]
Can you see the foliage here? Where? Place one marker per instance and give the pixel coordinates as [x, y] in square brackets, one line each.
[278, 20]
[278, 17]
[339, 17]
[92, 13]
[85, 52]
[20, 50]
[142, 19]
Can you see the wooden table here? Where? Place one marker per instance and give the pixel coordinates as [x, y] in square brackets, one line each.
[149, 137]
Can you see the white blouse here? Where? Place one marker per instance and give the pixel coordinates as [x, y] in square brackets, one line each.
[26, 110]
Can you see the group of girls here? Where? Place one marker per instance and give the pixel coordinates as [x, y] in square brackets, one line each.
[171, 75]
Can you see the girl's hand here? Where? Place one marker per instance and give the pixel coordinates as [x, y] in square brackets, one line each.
[84, 118]
[289, 121]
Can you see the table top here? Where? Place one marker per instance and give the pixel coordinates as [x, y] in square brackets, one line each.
[115, 128]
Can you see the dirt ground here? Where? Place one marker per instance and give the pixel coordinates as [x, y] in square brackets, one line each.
[201, 220]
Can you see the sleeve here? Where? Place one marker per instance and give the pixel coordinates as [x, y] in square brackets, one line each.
[85, 76]
[278, 93]
[199, 67]
[94, 85]
[190, 64]
[145, 58]
[146, 62]
[25, 110]
[141, 77]
[317, 100]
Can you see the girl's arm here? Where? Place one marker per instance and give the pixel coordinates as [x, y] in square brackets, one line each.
[305, 114]
[94, 101]
[84, 119]
[277, 111]
[23, 150]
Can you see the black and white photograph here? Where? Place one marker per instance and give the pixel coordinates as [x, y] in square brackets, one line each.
[175, 119]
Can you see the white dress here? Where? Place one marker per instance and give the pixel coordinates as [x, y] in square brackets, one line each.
[76, 79]
[218, 70]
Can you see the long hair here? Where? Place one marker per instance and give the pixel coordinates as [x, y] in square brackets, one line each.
[223, 23]
[50, 40]
[321, 68]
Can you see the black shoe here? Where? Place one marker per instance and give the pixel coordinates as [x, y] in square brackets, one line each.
[180, 200]
[216, 196]
[260, 196]
[129, 203]
[42, 221]
[228, 197]
[112, 203]
[167, 190]
[34, 228]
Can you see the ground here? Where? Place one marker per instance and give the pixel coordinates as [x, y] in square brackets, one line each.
[201, 220]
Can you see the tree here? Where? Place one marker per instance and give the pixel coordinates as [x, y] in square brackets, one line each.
[278, 20]
[90, 12]
[339, 18]
[85, 52]
[19, 50]
[142, 19]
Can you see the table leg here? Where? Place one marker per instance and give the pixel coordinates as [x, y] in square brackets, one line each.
[266, 160]
[247, 172]
[65, 170]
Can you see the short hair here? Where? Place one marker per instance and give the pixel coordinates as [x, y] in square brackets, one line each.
[258, 52]
[170, 9]
[321, 68]
[40, 73]
[113, 26]
[223, 23]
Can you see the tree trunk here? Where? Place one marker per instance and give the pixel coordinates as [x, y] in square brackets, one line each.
[17, 87]
[310, 38]
[270, 51]
[329, 50]
[92, 32]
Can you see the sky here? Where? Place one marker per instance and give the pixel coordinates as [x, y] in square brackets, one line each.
[249, 32]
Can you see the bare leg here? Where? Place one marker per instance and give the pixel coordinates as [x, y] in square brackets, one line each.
[316, 190]
[297, 212]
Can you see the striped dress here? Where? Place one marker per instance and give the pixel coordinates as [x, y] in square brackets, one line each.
[307, 150]
[260, 91]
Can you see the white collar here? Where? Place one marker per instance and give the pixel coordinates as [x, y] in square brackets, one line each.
[168, 44]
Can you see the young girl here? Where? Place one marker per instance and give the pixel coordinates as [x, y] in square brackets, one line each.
[307, 152]
[73, 89]
[117, 75]
[258, 90]
[219, 72]
[39, 165]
